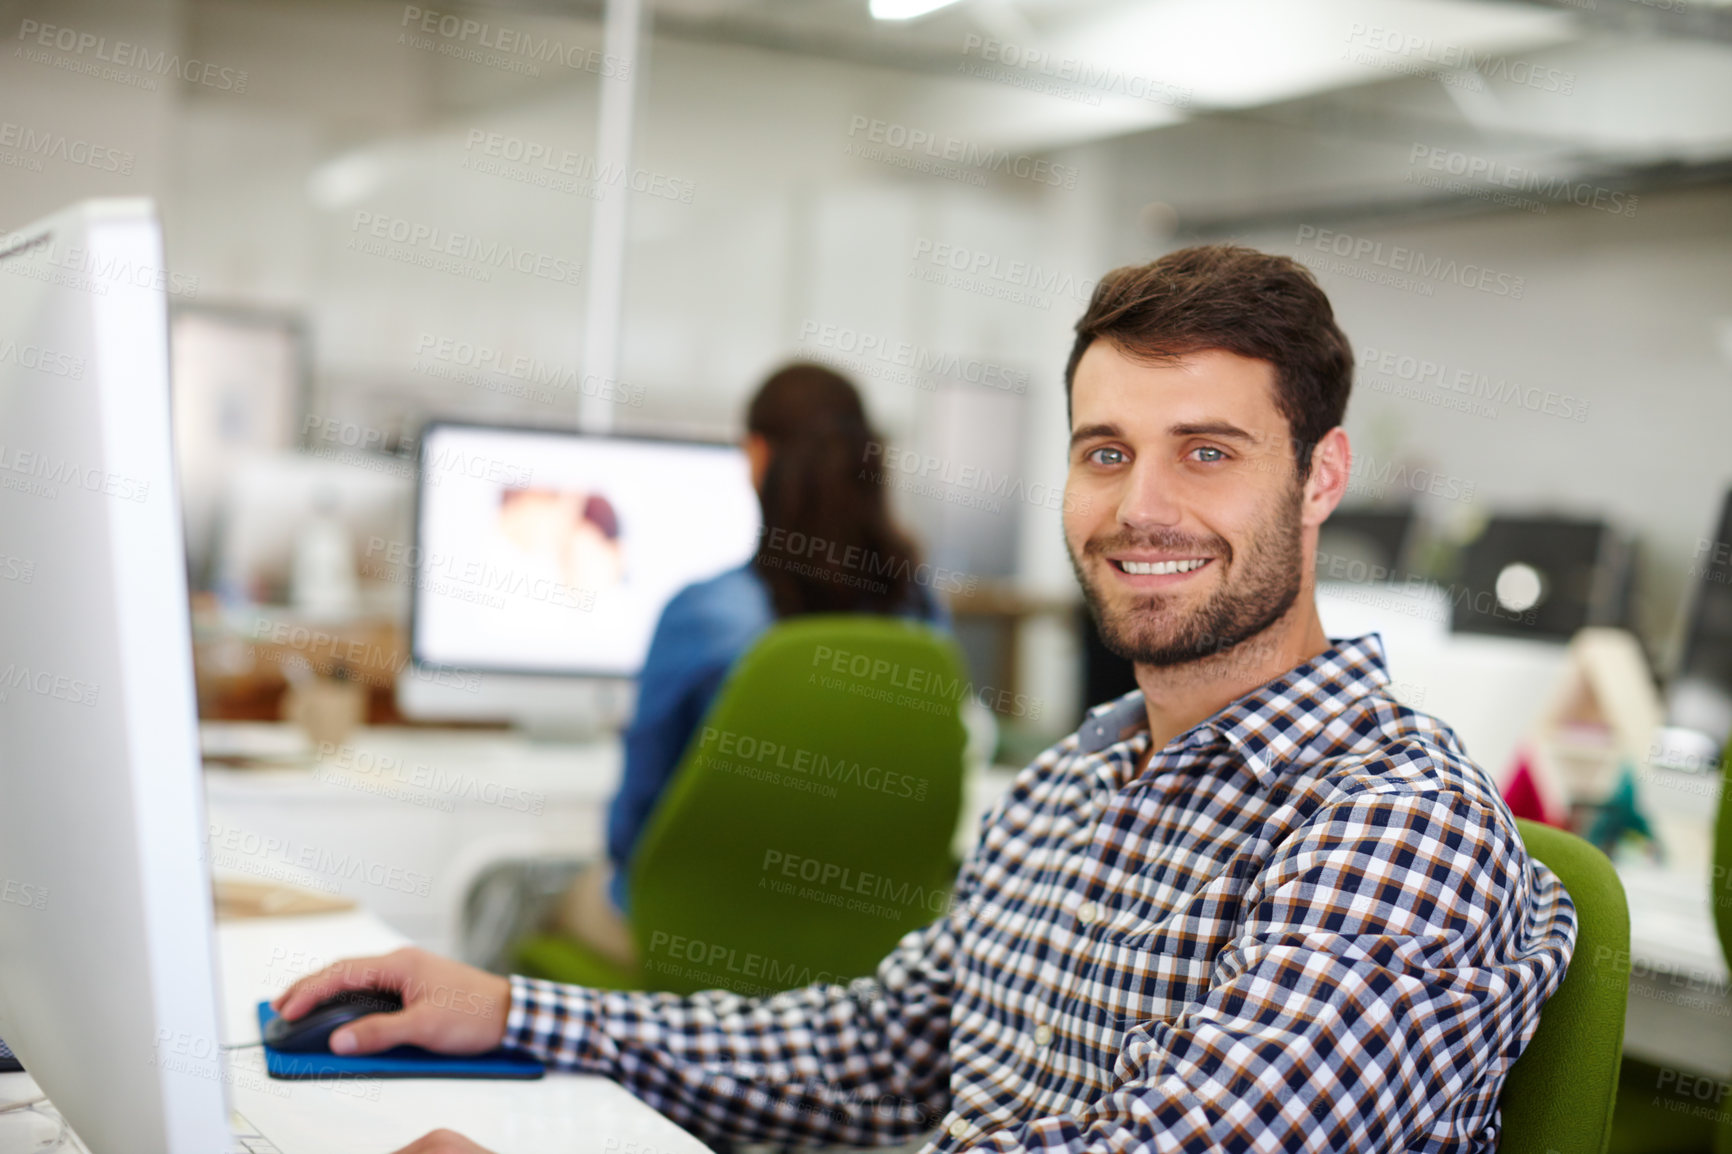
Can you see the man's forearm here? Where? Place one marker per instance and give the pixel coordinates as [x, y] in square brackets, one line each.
[862, 1064]
[806, 1066]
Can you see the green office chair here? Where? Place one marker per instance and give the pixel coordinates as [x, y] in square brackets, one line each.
[1720, 887]
[809, 823]
[1558, 1097]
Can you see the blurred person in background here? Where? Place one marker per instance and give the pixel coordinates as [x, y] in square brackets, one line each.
[827, 545]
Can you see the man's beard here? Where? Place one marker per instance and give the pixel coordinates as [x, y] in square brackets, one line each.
[1261, 586]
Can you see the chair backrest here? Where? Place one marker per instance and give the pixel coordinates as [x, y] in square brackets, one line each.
[1558, 1097]
[1720, 885]
[809, 823]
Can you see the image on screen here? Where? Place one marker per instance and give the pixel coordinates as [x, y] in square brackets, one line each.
[540, 551]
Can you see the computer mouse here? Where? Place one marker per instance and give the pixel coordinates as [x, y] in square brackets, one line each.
[311, 1032]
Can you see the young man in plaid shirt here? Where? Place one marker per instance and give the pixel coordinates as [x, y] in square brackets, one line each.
[1257, 904]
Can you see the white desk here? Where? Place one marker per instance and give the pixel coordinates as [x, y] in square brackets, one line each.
[1680, 1012]
[1680, 1008]
[402, 819]
[568, 1113]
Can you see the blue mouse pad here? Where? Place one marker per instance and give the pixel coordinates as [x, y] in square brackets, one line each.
[400, 1062]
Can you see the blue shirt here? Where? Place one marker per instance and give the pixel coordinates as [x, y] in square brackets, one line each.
[707, 627]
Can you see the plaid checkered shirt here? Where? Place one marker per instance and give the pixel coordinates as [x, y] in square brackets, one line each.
[1307, 924]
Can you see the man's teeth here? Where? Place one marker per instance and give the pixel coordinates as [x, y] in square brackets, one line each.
[1161, 568]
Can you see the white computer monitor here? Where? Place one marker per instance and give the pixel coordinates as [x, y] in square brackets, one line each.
[107, 964]
[542, 561]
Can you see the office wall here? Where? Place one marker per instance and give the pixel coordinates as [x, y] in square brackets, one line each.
[74, 124]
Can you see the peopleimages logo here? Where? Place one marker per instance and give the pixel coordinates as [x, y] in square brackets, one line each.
[467, 578]
[470, 255]
[920, 360]
[477, 365]
[420, 783]
[44, 683]
[70, 150]
[483, 43]
[131, 56]
[21, 894]
[1411, 261]
[718, 958]
[850, 882]
[1710, 562]
[588, 174]
[778, 545]
[1432, 53]
[1373, 478]
[966, 153]
[730, 751]
[46, 475]
[43, 360]
[1503, 174]
[1077, 71]
[990, 267]
[1429, 380]
[226, 845]
[88, 270]
[892, 462]
[929, 690]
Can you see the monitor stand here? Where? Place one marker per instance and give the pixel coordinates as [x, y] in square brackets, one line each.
[544, 708]
[596, 710]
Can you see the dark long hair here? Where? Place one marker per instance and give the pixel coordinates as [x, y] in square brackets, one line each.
[828, 543]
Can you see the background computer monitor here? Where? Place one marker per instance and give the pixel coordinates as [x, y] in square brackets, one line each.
[1543, 578]
[542, 560]
[267, 503]
[107, 968]
[1365, 545]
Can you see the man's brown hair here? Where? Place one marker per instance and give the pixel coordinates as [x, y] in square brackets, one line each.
[1225, 296]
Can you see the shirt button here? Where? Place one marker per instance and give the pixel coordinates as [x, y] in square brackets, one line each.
[1088, 913]
[1043, 1035]
[959, 1129]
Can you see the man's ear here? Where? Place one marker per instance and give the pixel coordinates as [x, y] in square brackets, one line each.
[1331, 466]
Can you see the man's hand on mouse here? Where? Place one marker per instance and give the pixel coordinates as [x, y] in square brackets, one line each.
[448, 1007]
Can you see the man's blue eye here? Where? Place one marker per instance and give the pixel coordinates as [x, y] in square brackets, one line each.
[1096, 454]
[1218, 454]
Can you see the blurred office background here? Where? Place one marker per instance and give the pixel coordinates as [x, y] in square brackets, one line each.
[1521, 210]
[1569, 156]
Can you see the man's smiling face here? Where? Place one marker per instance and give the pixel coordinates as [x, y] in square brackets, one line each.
[1185, 515]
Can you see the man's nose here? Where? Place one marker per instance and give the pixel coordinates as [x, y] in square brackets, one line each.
[1149, 499]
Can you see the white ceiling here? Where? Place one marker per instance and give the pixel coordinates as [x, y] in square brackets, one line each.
[1646, 79]
[1623, 84]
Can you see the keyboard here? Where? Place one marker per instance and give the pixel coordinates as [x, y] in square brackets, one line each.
[247, 1139]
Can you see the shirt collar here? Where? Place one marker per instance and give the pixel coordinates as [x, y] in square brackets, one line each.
[1271, 722]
